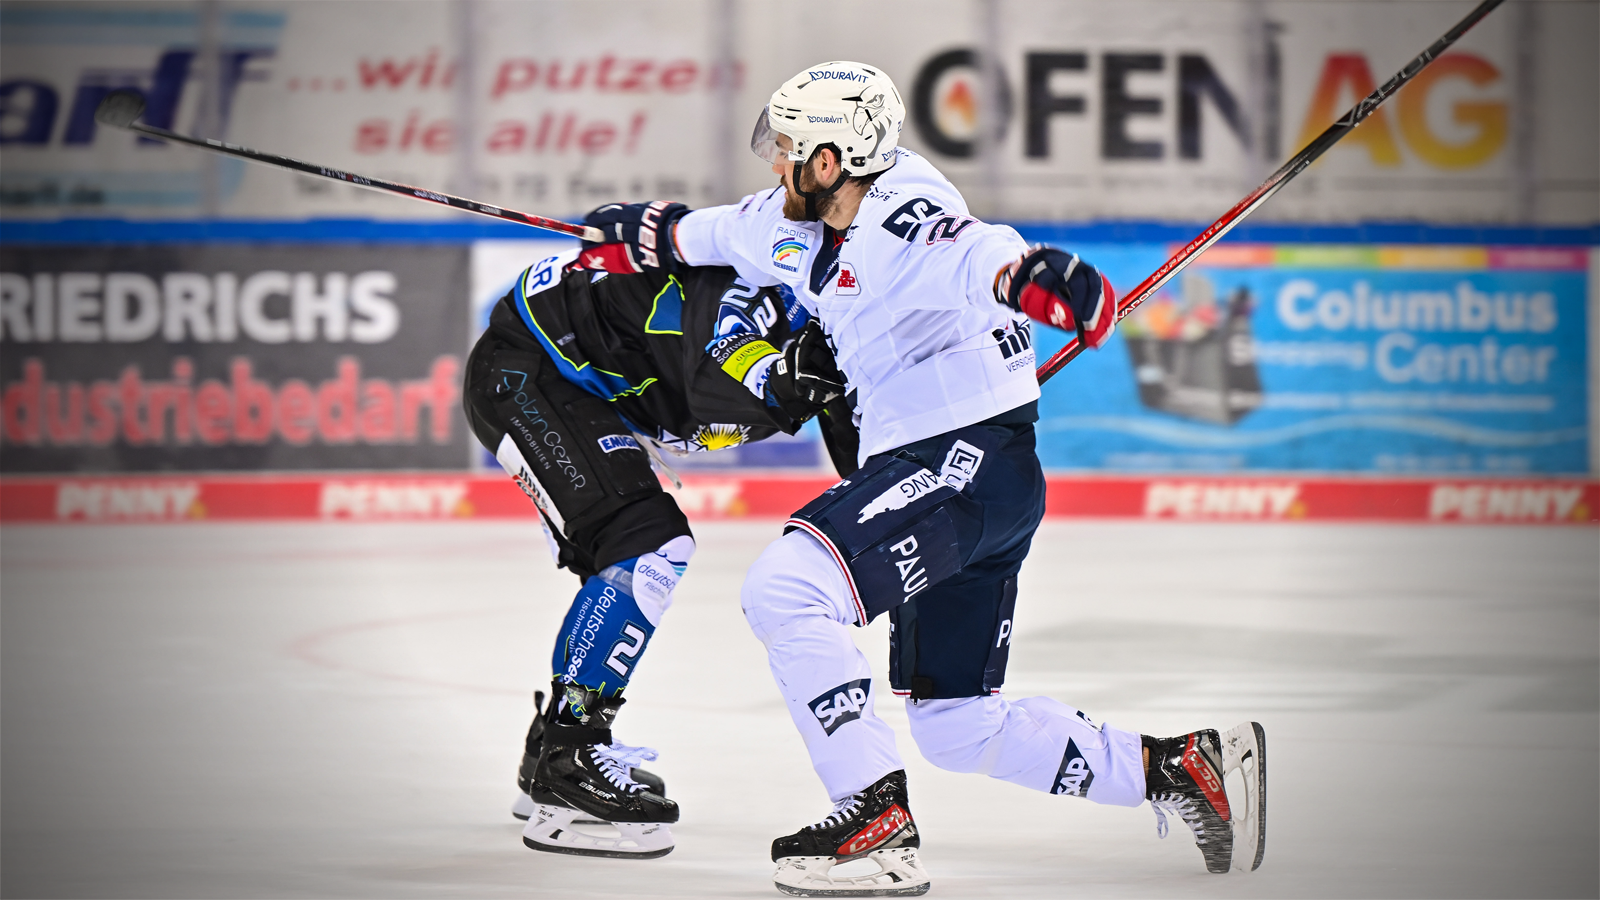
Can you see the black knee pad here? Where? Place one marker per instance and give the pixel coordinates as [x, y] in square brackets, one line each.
[571, 454]
[952, 640]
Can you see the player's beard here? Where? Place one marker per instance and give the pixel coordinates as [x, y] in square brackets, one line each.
[794, 205]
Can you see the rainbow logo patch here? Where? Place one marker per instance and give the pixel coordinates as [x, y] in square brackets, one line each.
[786, 254]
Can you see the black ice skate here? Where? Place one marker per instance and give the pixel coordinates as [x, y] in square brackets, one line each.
[522, 807]
[1188, 777]
[874, 824]
[581, 771]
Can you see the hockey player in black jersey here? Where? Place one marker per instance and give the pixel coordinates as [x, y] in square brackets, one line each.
[579, 383]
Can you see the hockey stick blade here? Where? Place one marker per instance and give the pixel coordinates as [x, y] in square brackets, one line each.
[1274, 183]
[121, 108]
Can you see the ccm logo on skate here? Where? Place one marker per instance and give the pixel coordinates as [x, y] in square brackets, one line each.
[842, 704]
[1206, 776]
[1074, 776]
[882, 828]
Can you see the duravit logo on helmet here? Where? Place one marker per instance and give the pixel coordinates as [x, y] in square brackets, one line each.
[830, 75]
[830, 120]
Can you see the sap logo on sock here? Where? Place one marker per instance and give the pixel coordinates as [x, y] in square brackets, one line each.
[612, 442]
[900, 495]
[960, 465]
[1074, 776]
[842, 704]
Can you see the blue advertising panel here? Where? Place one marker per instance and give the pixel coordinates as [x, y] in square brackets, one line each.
[1366, 359]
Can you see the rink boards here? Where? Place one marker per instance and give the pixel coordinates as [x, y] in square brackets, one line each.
[434, 496]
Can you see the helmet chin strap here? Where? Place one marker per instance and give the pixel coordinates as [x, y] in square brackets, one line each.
[811, 197]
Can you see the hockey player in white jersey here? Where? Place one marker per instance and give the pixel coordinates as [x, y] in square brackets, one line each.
[927, 310]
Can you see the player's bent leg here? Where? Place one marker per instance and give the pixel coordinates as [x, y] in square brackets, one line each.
[1037, 743]
[580, 767]
[796, 602]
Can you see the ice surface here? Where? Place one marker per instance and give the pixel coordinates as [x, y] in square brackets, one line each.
[337, 711]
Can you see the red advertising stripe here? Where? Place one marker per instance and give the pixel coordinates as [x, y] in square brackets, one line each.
[431, 496]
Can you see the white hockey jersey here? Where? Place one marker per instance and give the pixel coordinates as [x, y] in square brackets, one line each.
[906, 298]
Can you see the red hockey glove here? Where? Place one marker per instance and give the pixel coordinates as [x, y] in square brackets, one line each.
[638, 238]
[1060, 289]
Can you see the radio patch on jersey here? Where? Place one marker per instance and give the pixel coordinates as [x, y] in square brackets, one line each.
[1074, 776]
[846, 285]
[789, 250]
[614, 442]
[836, 706]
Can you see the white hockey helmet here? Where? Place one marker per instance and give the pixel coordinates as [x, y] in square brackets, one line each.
[853, 107]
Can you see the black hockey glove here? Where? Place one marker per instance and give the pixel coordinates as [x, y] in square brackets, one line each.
[1060, 289]
[806, 377]
[638, 238]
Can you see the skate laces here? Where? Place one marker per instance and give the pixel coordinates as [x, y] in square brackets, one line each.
[1181, 806]
[842, 811]
[617, 762]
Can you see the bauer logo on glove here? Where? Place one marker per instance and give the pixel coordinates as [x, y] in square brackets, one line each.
[1060, 289]
[638, 238]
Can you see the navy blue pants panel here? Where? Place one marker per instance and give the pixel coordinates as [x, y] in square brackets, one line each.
[950, 636]
[934, 650]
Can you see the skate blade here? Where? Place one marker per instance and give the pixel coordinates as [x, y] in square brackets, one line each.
[1244, 759]
[552, 829]
[522, 810]
[900, 874]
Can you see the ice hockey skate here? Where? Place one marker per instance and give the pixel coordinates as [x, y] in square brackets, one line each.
[581, 772]
[874, 824]
[523, 807]
[1244, 760]
[1188, 778]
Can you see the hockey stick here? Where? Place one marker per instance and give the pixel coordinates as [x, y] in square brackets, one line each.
[120, 108]
[1273, 184]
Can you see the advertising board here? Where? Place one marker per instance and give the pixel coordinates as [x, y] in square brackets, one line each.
[1099, 110]
[231, 357]
[1376, 359]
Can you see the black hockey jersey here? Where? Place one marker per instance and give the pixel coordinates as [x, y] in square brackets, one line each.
[643, 342]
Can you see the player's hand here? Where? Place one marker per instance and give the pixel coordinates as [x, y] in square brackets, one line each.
[806, 377]
[638, 238]
[1060, 289]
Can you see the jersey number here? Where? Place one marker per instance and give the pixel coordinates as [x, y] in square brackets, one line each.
[622, 650]
[735, 309]
[904, 222]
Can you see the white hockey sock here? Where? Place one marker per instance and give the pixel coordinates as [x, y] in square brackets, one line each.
[797, 604]
[1036, 742]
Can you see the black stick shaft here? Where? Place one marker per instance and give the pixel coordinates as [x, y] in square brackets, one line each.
[377, 184]
[1297, 164]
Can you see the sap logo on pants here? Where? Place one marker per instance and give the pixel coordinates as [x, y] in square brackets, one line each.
[900, 495]
[1074, 776]
[613, 442]
[842, 704]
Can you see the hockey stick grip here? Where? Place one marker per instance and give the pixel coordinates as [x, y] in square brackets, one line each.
[1274, 183]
